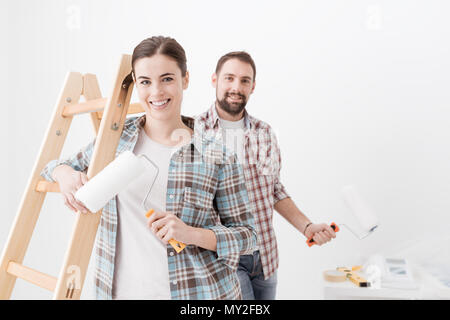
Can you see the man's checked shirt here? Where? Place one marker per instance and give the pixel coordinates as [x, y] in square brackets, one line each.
[262, 175]
[206, 189]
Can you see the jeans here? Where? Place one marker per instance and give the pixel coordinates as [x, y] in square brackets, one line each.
[251, 278]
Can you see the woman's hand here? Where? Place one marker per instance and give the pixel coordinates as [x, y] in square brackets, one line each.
[166, 226]
[70, 181]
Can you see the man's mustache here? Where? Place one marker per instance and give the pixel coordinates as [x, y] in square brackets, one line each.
[235, 94]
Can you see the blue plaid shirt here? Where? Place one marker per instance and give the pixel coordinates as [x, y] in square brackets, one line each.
[206, 188]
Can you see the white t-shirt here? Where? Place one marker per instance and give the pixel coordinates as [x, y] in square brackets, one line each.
[233, 133]
[141, 269]
[233, 137]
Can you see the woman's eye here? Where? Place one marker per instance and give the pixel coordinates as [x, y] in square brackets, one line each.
[145, 82]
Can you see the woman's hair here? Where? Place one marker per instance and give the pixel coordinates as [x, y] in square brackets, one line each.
[160, 45]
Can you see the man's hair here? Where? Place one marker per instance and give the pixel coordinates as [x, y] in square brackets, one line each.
[241, 55]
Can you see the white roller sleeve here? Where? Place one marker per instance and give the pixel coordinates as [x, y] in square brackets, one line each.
[115, 177]
[364, 215]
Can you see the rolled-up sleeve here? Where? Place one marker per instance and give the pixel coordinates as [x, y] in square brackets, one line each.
[279, 191]
[79, 162]
[236, 233]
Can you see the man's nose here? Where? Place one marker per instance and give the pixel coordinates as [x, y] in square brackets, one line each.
[236, 86]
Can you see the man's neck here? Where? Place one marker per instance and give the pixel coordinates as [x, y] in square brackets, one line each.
[226, 116]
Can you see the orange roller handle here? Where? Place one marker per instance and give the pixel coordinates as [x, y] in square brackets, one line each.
[149, 213]
[310, 242]
[178, 246]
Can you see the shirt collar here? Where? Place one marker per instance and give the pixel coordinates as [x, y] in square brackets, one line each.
[197, 139]
[214, 116]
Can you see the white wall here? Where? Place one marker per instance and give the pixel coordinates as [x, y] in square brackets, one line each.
[357, 91]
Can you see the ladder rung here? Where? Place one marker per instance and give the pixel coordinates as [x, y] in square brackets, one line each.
[47, 186]
[96, 105]
[84, 107]
[135, 108]
[132, 109]
[38, 278]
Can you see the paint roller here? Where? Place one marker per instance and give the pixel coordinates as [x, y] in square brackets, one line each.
[114, 178]
[362, 212]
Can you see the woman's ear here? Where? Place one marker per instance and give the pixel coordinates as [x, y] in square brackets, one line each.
[186, 81]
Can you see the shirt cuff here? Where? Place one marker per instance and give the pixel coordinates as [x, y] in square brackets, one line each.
[46, 173]
[279, 193]
[229, 247]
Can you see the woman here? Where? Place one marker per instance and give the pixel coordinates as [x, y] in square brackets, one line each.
[199, 196]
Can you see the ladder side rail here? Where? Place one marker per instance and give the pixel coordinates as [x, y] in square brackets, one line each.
[31, 202]
[73, 272]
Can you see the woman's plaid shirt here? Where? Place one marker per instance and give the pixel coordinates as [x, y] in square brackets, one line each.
[206, 188]
[262, 175]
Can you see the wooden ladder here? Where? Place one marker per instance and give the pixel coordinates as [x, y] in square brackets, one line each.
[108, 116]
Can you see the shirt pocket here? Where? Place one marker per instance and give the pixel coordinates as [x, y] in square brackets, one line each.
[198, 207]
[267, 170]
[265, 180]
[268, 163]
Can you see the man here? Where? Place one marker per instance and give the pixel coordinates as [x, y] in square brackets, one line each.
[257, 151]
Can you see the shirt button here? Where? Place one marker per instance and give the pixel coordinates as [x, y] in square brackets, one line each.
[171, 253]
[175, 282]
[173, 170]
[171, 196]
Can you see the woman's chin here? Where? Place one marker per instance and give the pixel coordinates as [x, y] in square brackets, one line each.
[162, 115]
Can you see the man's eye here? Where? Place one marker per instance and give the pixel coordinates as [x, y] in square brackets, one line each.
[228, 78]
[167, 79]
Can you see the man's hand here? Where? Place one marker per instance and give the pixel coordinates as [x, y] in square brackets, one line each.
[321, 233]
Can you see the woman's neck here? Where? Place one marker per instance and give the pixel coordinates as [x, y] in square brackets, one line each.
[171, 132]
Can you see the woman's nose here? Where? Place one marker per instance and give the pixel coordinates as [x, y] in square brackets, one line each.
[155, 90]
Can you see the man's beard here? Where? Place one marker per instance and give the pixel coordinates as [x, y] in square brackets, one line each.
[232, 108]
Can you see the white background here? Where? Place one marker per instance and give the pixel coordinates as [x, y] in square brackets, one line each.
[356, 90]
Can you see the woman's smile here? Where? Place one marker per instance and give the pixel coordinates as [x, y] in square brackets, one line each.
[159, 104]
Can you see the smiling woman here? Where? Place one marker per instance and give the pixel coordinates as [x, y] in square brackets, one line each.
[198, 194]
[160, 73]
